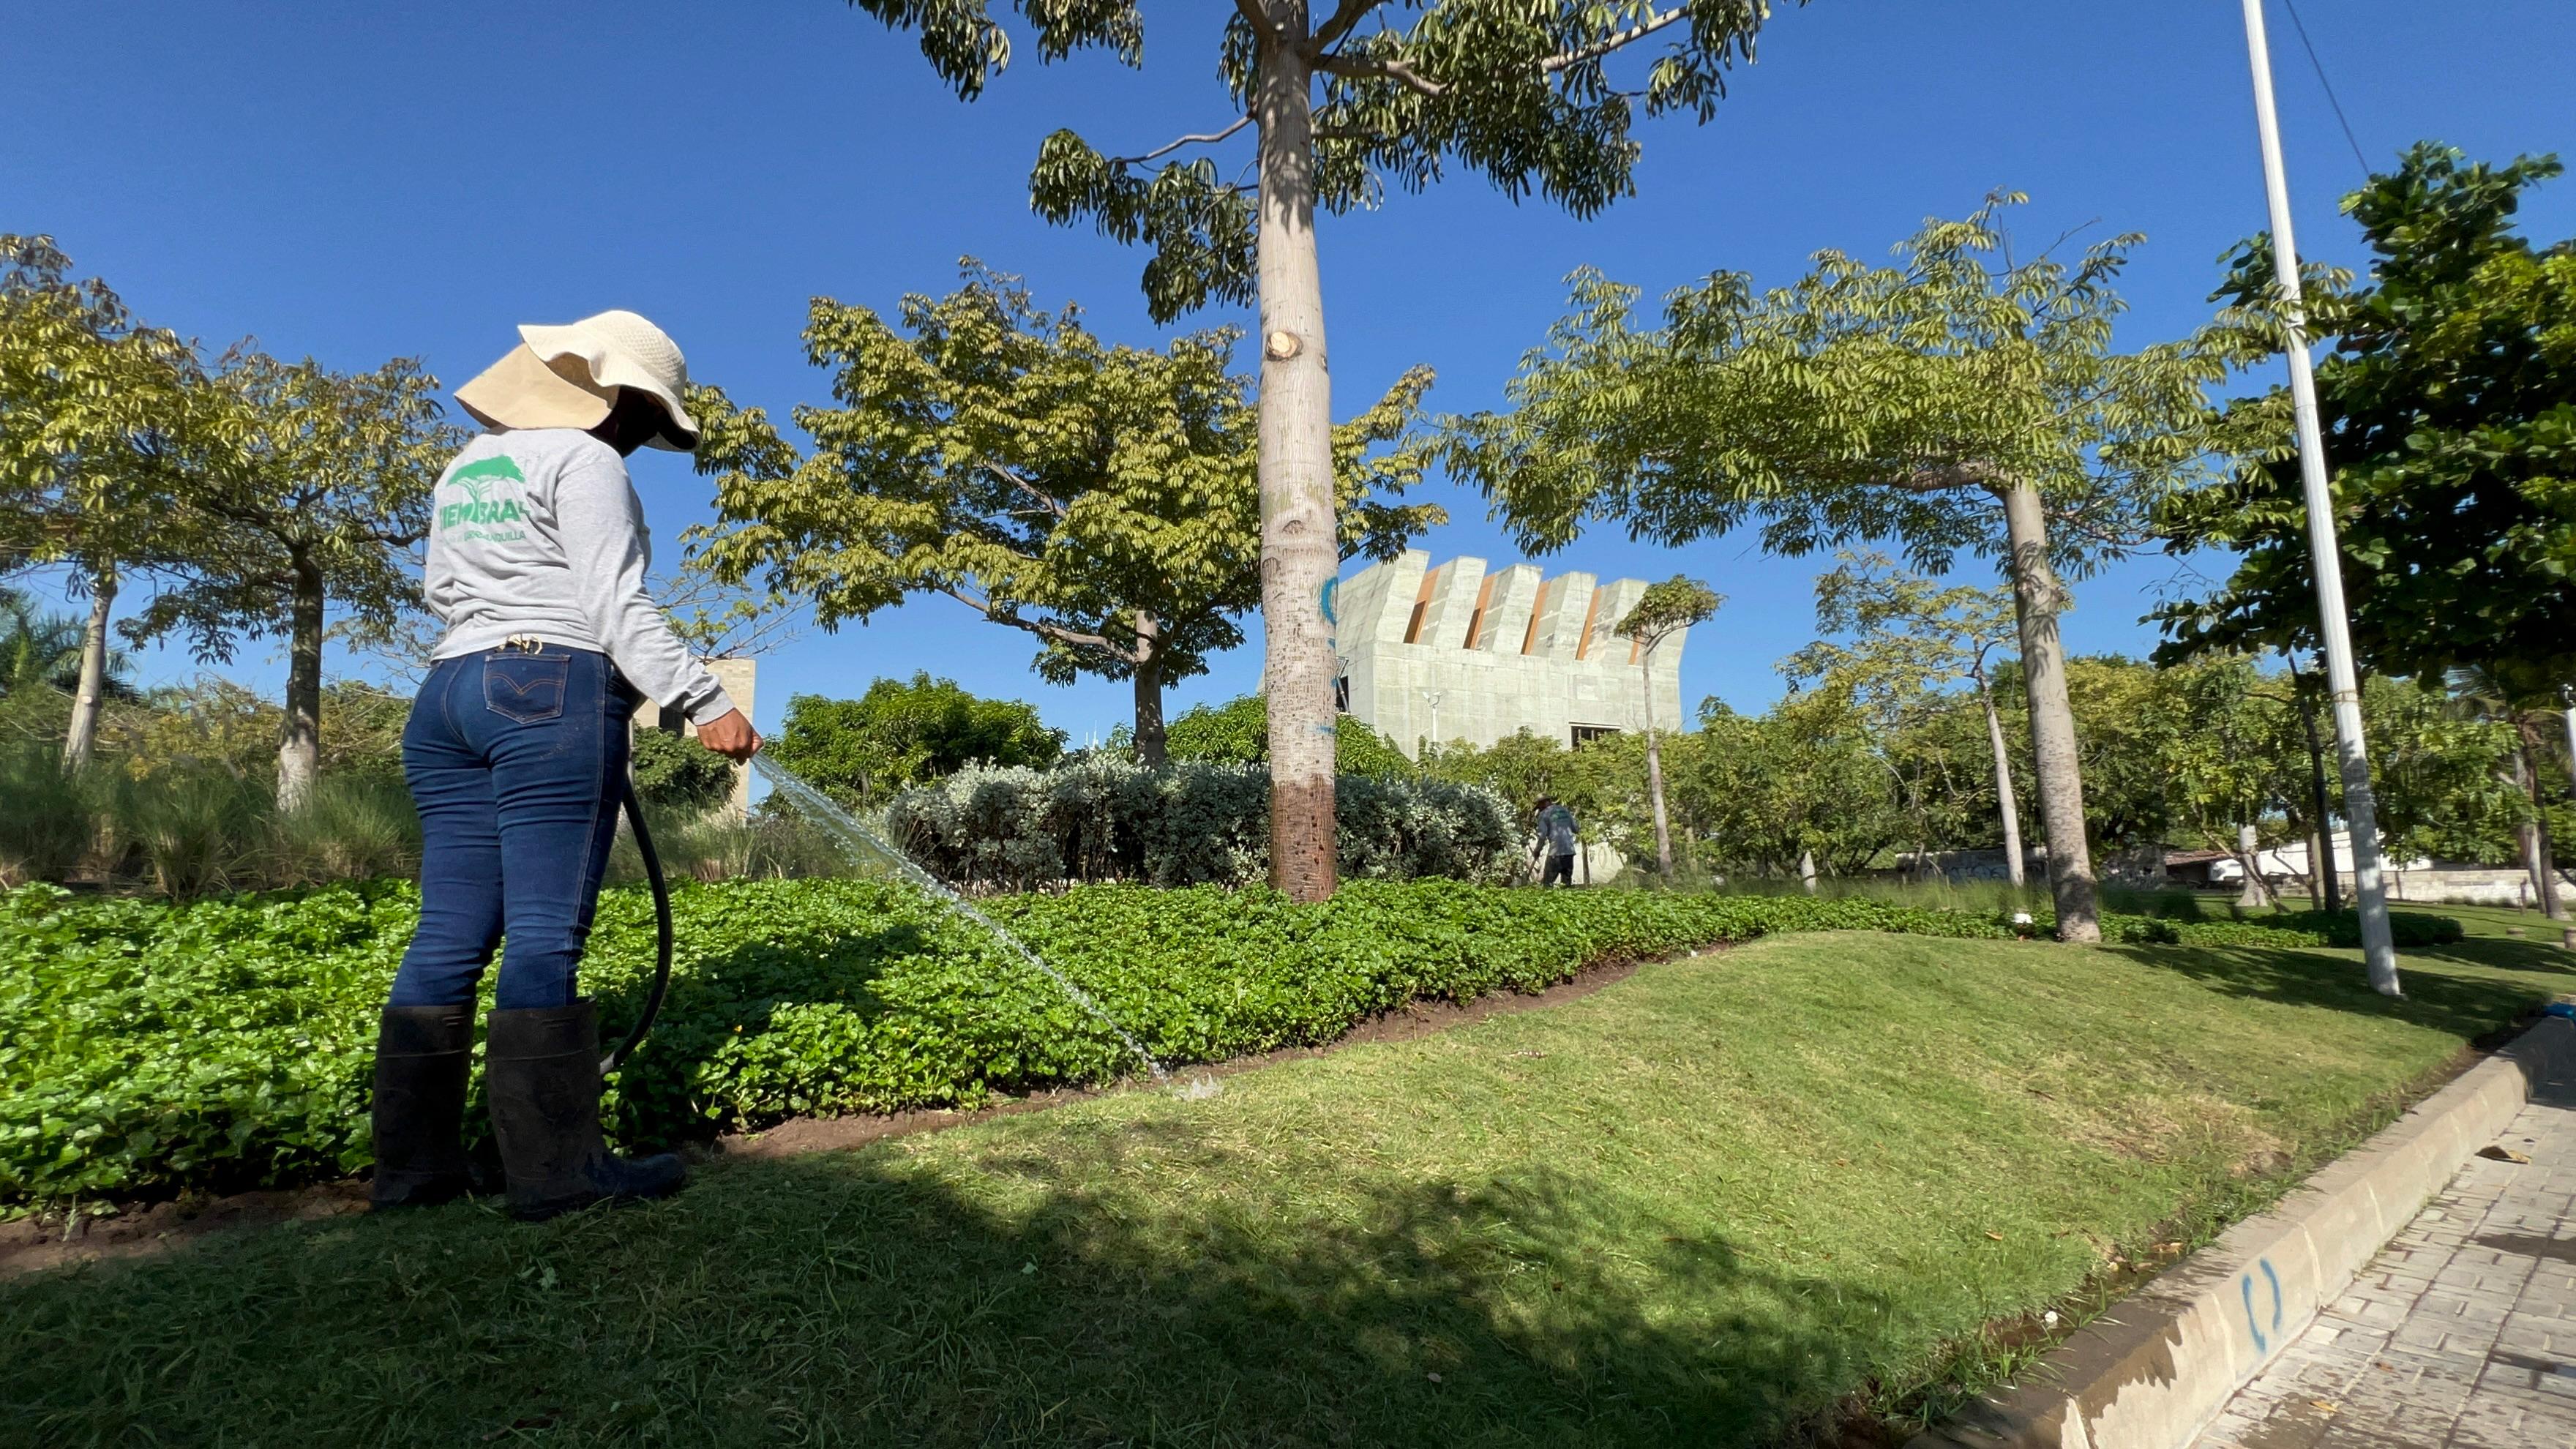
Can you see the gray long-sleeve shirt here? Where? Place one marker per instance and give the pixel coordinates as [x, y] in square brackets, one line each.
[539, 532]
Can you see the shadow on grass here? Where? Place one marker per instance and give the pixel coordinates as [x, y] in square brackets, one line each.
[1058, 1291]
[2466, 1006]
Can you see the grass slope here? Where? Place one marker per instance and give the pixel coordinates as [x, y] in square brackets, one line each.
[1701, 1206]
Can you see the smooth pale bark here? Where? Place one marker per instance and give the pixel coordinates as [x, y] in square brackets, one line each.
[1655, 787]
[1300, 554]
[1807, 870]
[2249, 854]
[2005, 804]
[91, 689]
[1655, 775]
[299, 749]
[2037, 598]
[1148, 678]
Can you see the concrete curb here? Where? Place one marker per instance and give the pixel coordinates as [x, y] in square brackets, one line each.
[2158, 1368]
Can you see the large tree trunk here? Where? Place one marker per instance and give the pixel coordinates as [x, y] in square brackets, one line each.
[2249, 854]
[1300, 552]
[2037, 598]
[1655, 781]
[92, 687]
[1149, 691]
[299, 749]
[2005, 804]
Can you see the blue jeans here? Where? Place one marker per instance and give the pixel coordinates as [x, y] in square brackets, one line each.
[515, 760]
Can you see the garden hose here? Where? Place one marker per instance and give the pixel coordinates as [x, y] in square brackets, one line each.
[661, 927]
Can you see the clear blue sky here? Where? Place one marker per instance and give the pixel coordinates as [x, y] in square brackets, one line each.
[356, 182]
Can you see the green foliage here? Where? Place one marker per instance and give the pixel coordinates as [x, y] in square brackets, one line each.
[1769, 1196]
[1099, 498]
[1907, 637]
[902, 733]
[1806, 777]
[1103, 818]
[770, 843]
[675, 773]
[49, 823]
[2446, 403]
[1895, 645]
[1520, 768]
[2444, 774]
[87, 397]
[1860, 402]
[1520, 94]
[42, 651]
[1667, 608]
[226, 1043]
[1237, 732]
[304, 487]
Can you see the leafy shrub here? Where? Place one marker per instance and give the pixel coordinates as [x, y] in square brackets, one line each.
[770, 843]
[1099, 818]
[675, 772]
[225, 1043]
[192, 831]
[48, 819]
[354, 827]
[859, 751]
[1237, 732]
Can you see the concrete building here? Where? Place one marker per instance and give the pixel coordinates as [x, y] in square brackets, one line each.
[1454, 651]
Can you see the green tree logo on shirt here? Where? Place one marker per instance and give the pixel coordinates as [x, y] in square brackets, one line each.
[476, 481]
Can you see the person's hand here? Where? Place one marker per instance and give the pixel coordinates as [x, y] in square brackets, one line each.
[731, 736]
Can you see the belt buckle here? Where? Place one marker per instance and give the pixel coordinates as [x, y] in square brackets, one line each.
[523, 644]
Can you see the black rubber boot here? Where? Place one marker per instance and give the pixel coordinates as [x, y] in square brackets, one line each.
[541, 1071]
[421, 1057]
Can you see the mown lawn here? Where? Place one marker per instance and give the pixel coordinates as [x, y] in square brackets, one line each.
[1703, 1206]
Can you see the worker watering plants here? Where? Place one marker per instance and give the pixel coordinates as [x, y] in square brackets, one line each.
[516, 754]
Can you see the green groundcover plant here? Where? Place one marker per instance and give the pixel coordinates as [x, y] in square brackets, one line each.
[148, 1047]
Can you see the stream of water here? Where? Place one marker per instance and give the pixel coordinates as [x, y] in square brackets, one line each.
[863, 845]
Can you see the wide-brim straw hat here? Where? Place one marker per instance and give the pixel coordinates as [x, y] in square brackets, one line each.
[568, 377]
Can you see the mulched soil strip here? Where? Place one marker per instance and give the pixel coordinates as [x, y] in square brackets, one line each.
[33, 1244]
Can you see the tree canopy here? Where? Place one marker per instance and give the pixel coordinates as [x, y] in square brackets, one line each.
[88, 397]
[1960, 399]
[903, 732]
[2448, 401]
[1100, 498]
[306, 489]
[1522, 94]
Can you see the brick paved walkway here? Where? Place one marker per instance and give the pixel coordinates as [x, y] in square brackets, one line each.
[2461, 1332]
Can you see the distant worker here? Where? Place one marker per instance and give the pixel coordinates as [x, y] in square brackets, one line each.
[1556, 839]
[516, 754]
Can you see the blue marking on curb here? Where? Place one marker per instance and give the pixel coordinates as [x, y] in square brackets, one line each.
[2276, 1294]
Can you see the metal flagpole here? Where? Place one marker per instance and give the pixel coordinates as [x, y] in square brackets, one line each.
[2342, 684]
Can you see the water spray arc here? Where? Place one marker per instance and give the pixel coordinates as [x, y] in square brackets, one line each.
[862, 844]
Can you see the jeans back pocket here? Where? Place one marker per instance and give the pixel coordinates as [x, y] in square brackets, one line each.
[528, 688]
